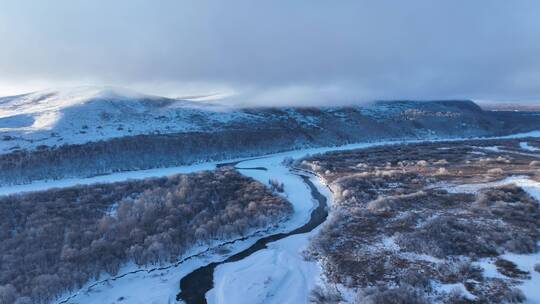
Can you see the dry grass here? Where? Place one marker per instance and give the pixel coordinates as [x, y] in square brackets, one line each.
[387, 218]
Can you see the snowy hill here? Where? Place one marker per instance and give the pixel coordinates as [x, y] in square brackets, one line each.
[83, 114]
[86, 114]
[89, 131]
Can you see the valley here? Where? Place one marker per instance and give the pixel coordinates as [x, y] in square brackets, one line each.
[292, 250]
[269, 152]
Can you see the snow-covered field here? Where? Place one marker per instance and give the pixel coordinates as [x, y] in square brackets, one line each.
[109, 178]
[525, 146]
[521, 181]
[525, 262]
[277, 274]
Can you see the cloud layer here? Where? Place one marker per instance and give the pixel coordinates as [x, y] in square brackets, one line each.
[278, 52]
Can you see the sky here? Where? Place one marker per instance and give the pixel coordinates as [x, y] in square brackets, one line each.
[304, 52]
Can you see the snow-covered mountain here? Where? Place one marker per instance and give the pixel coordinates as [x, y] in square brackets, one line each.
[88, 131]
[83, 114]
[86, 114]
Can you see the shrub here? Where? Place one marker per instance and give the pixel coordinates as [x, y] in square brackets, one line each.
[287, 161]
[495, 171]
[394, 193]
[514, 295]
[276, 185]
[422, 163]
[442, 171]
[503, 160]
[535, 163]
[382, 295]
[321, 296]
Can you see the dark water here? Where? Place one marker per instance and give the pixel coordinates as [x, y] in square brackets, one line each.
[195, 285]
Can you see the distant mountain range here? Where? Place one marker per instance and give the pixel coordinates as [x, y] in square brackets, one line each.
[103, 130]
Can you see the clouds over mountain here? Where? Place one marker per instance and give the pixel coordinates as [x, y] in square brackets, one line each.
[309, 52]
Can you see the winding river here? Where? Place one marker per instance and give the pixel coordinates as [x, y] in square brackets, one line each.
[195, 285]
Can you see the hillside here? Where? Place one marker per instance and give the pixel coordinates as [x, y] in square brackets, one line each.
[85, 114]
[89, 131]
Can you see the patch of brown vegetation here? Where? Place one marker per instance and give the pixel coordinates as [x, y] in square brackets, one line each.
[391, 228]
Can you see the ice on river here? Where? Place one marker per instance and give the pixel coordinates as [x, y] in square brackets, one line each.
[279, 273]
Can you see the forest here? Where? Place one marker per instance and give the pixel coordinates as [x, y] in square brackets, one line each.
[57, 240]
[137, 153]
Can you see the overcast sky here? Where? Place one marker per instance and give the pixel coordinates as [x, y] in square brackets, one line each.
[276, 52]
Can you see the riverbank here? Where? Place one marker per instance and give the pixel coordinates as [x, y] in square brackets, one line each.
[41, 185]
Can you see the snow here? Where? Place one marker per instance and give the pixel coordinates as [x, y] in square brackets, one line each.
[278, 274]
[525, 146]
[474, 188]
[150, 285]
[492, 149]
[477, 153]
[522, 135]
[16, 121]
[109, 178]
[84, 114]
[274, 275]
[420, 257]
[389, 243]
[459, 287]
[526, 262]
[489, 269]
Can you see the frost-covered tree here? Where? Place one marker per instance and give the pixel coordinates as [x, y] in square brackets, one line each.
[57, 240]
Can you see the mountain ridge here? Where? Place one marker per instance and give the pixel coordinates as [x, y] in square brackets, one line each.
[108, 134]
[86, 114]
